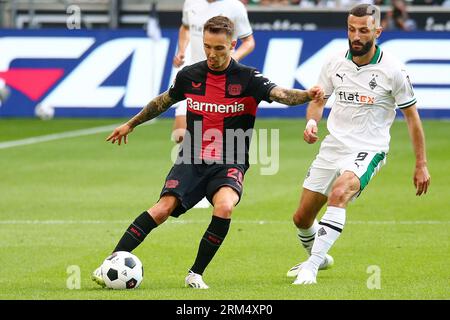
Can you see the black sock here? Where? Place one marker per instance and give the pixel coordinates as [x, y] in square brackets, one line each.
[210, 243]
[136, 232]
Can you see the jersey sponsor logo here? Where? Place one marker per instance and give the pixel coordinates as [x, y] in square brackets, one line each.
[196, 28]
[214, 107]
[234, 89]
[355, 98]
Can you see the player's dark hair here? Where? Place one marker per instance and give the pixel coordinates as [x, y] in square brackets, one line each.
[362, 10]
[219, 24]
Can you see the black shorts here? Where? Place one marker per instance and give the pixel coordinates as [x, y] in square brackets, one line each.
[192, 182]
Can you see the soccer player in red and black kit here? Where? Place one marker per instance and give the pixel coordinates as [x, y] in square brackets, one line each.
[222, 97]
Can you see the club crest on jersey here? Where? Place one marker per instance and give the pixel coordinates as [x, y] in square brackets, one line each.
[234, 89]
[373, 83]
[170, 184]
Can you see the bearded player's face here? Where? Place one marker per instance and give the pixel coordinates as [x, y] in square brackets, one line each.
[218, 48]
[362, 33]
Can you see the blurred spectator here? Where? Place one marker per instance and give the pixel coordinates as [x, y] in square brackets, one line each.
[271, 2]
[329, 3]
[340, 3]
[321, 3]
[316, 3]
[280, 2]
[274, 2]
[381, 2]
[427, 2]
[397, 18]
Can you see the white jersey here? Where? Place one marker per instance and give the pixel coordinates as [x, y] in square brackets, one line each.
[366, 99]
[197, 12]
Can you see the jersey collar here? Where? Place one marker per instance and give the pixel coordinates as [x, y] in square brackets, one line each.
[375, 59]
[230, 66]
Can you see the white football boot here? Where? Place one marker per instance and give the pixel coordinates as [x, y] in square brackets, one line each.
[97, 277]
[306, 275]
[194, 280]
[327, 263]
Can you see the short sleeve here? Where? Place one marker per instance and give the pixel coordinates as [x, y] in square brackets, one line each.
[176, 90]
[402, 89]
[242, 24]
[260, 86]
[185, 16]
[325, 80]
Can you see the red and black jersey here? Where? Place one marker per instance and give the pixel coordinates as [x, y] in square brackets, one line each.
[221, 110]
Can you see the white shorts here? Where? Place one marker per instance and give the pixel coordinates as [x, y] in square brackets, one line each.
[331, 162]
[181, 108]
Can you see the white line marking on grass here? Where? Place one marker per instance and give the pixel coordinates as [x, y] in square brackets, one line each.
[61, 135]
[58, 222]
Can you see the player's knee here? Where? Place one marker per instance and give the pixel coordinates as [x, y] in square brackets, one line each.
[338, 196]
[301, 220]
[223, 209]
[158, 214]
[297, 219]
[160, 211]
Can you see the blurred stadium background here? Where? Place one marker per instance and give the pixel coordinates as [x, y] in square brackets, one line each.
[66, 196]
[51, 51]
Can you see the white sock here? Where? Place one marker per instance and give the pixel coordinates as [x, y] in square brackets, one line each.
[306, 236]
[330, 228]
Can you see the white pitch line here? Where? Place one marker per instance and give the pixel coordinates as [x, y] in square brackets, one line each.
[260, 222]
[58, 136]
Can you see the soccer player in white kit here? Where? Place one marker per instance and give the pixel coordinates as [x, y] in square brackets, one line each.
[369, 85]
[195, 14]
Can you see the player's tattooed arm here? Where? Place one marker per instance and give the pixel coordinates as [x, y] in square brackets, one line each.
[153, 109]
[293, 97]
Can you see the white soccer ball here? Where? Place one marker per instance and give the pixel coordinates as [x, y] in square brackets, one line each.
[122, 270]
[44, 112]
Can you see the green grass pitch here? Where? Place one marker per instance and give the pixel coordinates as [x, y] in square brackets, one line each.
[67, 202]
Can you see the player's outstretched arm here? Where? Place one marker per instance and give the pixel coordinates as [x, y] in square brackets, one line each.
[245, 48]
[183, 41]
[421, 175]
[153, 109]
[294, 97]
